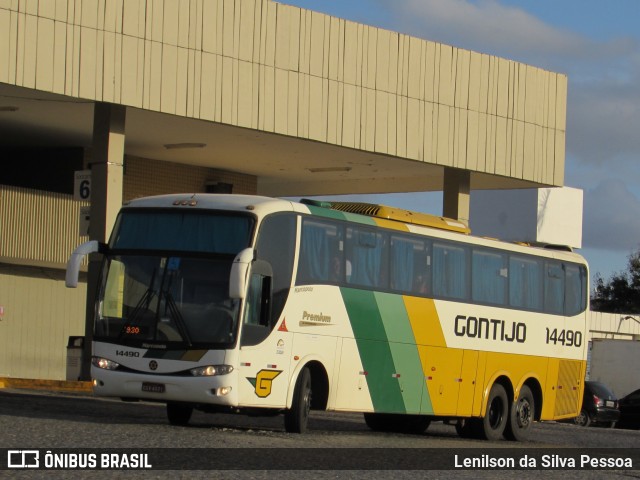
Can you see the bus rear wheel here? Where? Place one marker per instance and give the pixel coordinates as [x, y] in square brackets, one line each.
[297, 417]
[495, 419]
[179, 414]
[521, 416]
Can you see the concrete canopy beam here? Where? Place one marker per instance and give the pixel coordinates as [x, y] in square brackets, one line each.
[456, 194]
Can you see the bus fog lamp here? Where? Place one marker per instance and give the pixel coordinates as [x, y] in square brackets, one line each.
[104, 363]
[211, 370]
[222, 391]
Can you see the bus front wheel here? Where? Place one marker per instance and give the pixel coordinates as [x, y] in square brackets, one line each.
[495, 419]
[297, 417]
[178, 414]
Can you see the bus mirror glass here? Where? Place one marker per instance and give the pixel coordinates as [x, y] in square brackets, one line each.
[239, 270]
[73, 265]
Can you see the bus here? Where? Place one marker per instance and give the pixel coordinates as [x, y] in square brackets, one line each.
[234, 303]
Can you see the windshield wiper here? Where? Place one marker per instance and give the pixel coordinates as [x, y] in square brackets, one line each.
[178, 318]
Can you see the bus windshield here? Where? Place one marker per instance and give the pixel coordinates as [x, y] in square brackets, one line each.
[182, 231]
[166, 279]
[166, 299]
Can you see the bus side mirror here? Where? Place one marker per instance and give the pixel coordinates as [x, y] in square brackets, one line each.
[73, 265]
[239, 270]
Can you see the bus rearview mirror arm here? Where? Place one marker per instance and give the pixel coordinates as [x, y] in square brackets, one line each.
[73, 265]
[239, 271]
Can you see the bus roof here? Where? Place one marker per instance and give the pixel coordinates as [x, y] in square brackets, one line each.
[392, 213]
[262, 206]
[256, 204]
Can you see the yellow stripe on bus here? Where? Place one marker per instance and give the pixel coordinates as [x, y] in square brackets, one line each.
[424, 321]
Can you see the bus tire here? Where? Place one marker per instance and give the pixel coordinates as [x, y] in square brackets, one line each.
[415, 424]
[297, 417]
[521, 416]
[378, 422]
[179, 414]
[497, 414]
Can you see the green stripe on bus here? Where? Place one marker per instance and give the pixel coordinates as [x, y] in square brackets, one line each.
[375, 352]
[326, 212]
[403, 349]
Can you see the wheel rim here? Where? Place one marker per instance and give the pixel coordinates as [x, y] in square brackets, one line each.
[581, 419]
[524, 413]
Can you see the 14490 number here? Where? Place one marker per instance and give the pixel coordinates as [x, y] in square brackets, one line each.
[568, 338]
[127, 353]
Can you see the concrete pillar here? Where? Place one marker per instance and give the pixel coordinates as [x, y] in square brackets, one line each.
[455, 195]
[107, 164]
[107, 170]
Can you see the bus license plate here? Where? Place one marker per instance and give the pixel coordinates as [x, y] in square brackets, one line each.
[153, 387]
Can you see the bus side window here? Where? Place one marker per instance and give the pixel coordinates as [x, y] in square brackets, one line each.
[554, 288]
[276, 246]
[255, 324]
[368, 253]
[320, 253]
[450, 277]
[488, 277]
[525, 283]
[575, 291]
[409, 269]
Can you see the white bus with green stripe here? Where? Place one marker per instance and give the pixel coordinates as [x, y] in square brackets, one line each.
[231, 303]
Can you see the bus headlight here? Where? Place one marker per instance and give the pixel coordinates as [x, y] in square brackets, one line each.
[104, 363]
[211, 370]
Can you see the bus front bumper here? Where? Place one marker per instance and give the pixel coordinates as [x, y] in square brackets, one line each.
[216, 390]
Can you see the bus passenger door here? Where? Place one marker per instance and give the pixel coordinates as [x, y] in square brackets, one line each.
[263, 360]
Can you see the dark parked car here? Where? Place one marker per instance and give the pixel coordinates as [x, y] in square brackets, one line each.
[599, 406]
[630, 411]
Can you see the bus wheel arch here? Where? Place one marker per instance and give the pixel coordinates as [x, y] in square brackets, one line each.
[536, 389]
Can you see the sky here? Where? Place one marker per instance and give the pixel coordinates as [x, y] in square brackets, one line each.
[597, 44]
